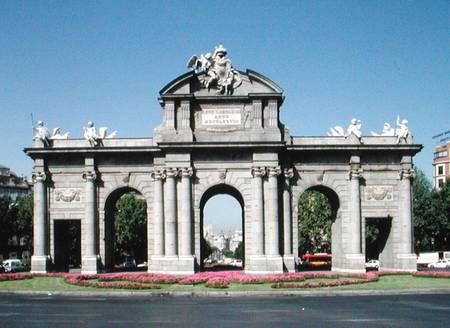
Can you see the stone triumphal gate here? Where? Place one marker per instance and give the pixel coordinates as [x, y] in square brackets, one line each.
[221, 133]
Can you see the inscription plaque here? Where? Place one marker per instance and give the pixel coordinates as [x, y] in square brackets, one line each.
[221, 117]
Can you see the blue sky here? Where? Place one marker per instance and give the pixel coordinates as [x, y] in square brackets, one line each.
[68, 62]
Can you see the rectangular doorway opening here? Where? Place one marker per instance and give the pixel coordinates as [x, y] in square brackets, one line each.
[67, 245]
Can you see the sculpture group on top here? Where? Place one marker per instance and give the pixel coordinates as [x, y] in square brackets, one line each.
[401, 131]
[42, 134]
[218, 71]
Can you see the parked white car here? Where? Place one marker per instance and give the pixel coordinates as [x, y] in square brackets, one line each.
[441, 264]
[373, 264]
[13, 265]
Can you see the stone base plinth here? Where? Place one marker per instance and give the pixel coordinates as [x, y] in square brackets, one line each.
[403, 262]
[180, 265]
[289, 263]
[354, 263]
[40, 264]
[89, 264]
[263, 264]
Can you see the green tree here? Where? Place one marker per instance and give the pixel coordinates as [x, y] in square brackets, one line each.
[314, 223]
[130, 226]
[5, 225]
[24, 223]
[206, 249]
[239, 252]
[423, 208]
[441, 215]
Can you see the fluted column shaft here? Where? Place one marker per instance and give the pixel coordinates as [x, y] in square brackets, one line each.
[170, 214]
[355, 211]
[40, 225]
[90, 213]
[287, 212]
[405, 211]
[272, 245]
[158, 213]
[186, 213]
[258, 211]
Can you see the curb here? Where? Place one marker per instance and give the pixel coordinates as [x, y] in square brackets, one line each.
[304, 293]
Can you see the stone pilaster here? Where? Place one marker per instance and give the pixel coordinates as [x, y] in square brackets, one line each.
[257, 114]
[170, 213]
[186, 213]
[258, 210]
[288, 256]
[90, 259]
[272, 244]
[158, 213]
[40, 258]
[406, 259]
[272, 113]
[169, 115]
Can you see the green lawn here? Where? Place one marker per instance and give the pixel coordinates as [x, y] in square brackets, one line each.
[52, 284]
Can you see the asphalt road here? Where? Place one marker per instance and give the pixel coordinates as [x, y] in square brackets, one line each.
[280, 311]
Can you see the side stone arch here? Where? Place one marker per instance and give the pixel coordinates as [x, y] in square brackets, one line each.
[334, 187]
[111, 184]
[232, 180]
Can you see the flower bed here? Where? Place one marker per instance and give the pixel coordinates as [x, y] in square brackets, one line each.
[432, 274]
[15, 276]
[220, 279]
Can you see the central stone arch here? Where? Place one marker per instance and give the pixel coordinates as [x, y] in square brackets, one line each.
[221, 189]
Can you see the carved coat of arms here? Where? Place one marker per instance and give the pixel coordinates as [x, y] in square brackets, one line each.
[219, 72]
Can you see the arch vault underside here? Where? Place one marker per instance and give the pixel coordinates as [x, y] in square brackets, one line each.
[207, 140]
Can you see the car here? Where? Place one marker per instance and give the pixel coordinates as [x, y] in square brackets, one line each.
[13, 265]
[373, 264]
[440, 264]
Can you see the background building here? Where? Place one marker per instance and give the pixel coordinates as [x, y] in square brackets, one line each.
[441, 165]
[11, 185]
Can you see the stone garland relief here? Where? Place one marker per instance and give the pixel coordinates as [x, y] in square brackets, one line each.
[378, 193]
[67, 195]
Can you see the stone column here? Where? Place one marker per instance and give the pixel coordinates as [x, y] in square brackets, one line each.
[354, 258]
[170, 214]
[186, 213]
[406, 259]
[355, 211]
[288, 255]
[158, 213]
[272, 244]
[258, 211]
[39, 260]
[90, 261]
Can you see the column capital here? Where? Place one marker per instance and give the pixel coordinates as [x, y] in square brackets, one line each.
[186, 172]
[172, 172]
[406, 174]
[288, 173]
[158, 174]
[273, 171]
[258, 172]
[39, 177]
[355, 173]
[89, 176]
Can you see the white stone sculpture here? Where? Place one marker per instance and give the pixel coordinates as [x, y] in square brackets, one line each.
[90, 134]
[337, 131]
[353, 128]
[218, 69]
[402, 130]
[388, 131]
[42, 133]
[56, 135]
